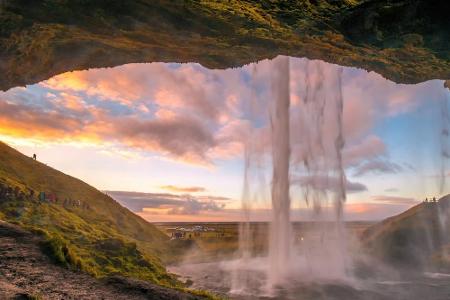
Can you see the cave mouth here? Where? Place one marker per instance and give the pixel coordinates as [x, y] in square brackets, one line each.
[350, 134]
[310, 116]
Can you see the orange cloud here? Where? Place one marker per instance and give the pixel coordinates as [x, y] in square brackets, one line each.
[358, 208]
[72, 102]
[382, 207]
[112, 84]
[165, 114]
[164, 97]
[76, 81]
[181, 189]
[20, 121]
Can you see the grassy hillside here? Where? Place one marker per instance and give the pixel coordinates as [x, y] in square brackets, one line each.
[406, 41]
[85, 229]
[418, 237]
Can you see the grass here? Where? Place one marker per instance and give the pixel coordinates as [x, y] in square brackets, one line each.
[101, 238]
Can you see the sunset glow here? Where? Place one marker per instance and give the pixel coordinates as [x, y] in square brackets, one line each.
[176, 130]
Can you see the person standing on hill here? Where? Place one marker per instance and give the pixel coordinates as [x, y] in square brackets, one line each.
[34, 156]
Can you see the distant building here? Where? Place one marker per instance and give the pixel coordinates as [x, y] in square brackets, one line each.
[177, 235]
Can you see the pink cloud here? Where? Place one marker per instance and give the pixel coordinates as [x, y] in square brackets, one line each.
[394, 200]
[382, 97]
[327, 183]
[369, 148]
[207, 114]
[377, 167]
[183, 137]
[359, 117]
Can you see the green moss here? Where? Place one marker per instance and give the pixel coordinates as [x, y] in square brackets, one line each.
[403, 44]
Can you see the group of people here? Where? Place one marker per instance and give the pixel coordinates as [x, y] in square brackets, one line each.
[8, 193]
[431, 200]
[69, 202]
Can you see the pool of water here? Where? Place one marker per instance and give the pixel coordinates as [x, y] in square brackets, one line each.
[218, 277]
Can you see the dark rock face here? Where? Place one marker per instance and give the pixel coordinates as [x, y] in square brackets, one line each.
[416, 239]
[404, 40]
[391, 23]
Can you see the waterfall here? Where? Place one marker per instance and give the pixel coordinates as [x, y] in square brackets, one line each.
[252, 189]
[317, 164]
[444, 141]
[306, 142]
[280, 229]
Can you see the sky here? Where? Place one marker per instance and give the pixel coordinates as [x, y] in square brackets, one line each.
[168, 140]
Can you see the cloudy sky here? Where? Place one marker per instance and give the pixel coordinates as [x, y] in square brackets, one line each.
[167, 140]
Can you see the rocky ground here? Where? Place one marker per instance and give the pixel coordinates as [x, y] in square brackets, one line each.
[26, 273]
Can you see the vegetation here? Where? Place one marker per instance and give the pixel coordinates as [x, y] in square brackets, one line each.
[406, 41]
[223, 242]
[101, 238]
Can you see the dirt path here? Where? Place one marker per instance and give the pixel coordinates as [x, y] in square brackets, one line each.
[25, 272]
